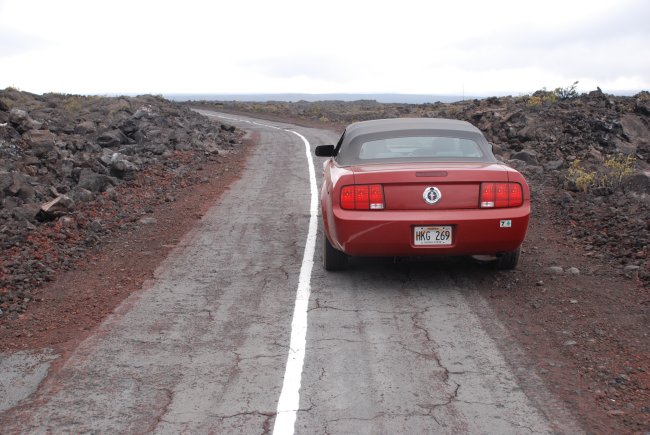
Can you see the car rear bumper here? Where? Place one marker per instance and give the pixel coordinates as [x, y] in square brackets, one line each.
[390, 232]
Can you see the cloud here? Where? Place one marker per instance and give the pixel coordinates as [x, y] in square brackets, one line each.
[605, 46]
[317, 66]
[414, 46]
[13, 42]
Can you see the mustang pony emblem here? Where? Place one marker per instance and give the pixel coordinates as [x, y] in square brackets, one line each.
[431, 195]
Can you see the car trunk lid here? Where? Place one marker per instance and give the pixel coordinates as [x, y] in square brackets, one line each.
[458, 184]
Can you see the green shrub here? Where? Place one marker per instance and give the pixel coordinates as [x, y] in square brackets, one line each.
[612, 175]
[567, 93]
[72, 104]
[619, 169]
[7, 102]
[582, 178]
[534, 101]
[541, 97]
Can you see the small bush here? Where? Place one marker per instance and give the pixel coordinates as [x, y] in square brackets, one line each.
[583, 179]
[612, 175]
[72, 105]
[534, 101]
[542, 97]
[567, 93]
[619, 169]
[7, 103]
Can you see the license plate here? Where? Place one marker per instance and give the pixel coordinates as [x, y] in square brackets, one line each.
[432, 235]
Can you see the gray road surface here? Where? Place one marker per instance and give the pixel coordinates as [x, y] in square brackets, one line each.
[391, 348]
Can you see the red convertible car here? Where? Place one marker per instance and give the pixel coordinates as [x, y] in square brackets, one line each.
[420, 186]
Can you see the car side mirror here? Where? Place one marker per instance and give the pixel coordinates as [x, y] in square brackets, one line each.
[324, 150]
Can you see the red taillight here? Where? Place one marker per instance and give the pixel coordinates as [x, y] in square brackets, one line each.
[499, 195]
[376, 197]
[515, 195]
[487, 195]
[347, 197]
[362, 197]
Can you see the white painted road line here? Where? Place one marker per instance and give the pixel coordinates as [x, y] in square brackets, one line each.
[289, 401]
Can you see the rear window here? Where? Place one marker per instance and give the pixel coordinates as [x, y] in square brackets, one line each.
[430, 148]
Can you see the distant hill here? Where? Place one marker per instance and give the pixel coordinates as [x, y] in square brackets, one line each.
[381, 98]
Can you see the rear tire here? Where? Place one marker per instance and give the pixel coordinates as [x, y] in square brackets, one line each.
[333, 259]
[508, 260]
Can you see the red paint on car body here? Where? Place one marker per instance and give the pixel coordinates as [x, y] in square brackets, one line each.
[389, 232]
[485, 202]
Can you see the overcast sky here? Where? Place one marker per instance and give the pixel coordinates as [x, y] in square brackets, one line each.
[326, 46]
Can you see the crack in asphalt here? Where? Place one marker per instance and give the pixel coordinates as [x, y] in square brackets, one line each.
[210, 315]
[280, 345]
[389, 415]
[431, 356]
[266, 423]
[348, 340]
[452, 398]
[246, 413]
[415, 316]
[297, 248]
[416, 325]
[312, 405]
[358, 310]
[284, 271]
[435, 357]
[165, 408]
[245, 358]
[433, 406]
[322, 374]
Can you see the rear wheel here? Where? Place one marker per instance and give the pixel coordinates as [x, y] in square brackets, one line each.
[508, 260]
[333, 259]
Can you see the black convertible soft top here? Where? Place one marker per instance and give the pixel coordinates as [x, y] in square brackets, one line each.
[348, 148]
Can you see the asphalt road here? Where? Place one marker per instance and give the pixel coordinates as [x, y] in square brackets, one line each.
[389, 348]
